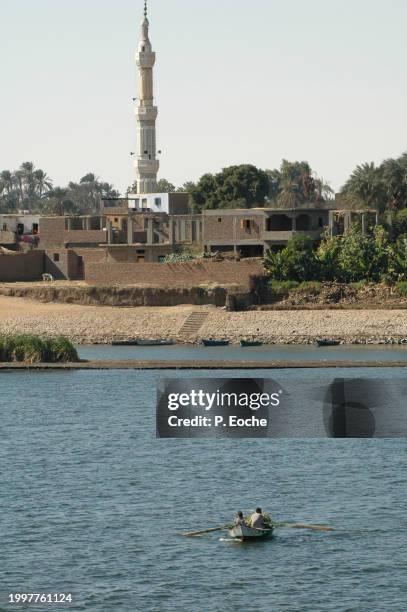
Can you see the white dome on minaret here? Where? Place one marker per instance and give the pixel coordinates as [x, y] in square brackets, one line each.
[146, 163]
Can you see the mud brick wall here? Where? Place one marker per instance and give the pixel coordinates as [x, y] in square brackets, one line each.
[178, 274]
[228, 227]
[67, 265]
[54, 235]
[22, 267]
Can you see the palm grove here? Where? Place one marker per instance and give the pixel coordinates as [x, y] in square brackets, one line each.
[381, 254]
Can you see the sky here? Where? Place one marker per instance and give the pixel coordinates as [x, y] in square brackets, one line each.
[235, 82]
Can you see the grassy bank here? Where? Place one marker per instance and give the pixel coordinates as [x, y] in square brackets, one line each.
[32, 349]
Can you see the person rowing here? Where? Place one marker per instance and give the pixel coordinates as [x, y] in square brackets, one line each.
[257, 520]
[239, 520]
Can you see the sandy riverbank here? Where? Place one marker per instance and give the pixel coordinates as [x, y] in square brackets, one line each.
[103, 324]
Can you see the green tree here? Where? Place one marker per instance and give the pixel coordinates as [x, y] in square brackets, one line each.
[186, 187]
[398, 259]
[363, 257]
[295, 183]
[328, 257]
[164, 186]
[400, 223]
[245, 184]
[366, 188]
[394, 172]
[297, 261]
[87, 195]
[42, 182]
[57, 202]
[290, 195]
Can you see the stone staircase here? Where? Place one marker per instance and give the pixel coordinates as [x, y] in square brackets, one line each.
[192, 324]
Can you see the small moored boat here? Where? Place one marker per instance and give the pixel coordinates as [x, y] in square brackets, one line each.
[209, 342]
[155, 342]
[143, 343]
[328, 342]
[251, 343]
[244, 533]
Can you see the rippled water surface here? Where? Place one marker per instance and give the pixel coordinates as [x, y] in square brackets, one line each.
[93, 503]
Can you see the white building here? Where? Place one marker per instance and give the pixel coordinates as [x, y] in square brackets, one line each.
[169, 203]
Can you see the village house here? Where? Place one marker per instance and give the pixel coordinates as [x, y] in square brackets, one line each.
[18, 229]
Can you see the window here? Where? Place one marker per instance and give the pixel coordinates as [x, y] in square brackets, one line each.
[161, 259]
[143, 49]
[157, 202]
[4, 227]
[320, 222]
[245, 224]
[35, 228]
[219, 219]
[56, 257]
[20, 229]
[144, 202]
[116, 220]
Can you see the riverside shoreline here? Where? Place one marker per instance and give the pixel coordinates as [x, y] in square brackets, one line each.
[83, 324]
[132, 364]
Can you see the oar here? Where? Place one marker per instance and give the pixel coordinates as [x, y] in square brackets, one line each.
[300, 526]
[197, 533]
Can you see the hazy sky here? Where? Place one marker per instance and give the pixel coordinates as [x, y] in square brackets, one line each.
[236, 81]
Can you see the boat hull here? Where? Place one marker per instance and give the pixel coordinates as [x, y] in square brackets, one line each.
[215, 342]
[328, 342]
[244, 533]
[246, 343]
[155, 342]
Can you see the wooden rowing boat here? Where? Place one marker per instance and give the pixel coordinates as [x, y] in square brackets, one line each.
[328, 342]
[250, 343]
[210, 342]
[244, 533]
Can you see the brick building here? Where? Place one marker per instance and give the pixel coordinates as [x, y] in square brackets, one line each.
[118, 235]
[251, 232]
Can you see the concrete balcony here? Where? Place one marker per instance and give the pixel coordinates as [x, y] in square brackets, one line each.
[284, 236]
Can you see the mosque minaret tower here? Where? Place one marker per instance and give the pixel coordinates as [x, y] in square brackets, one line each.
[146, 163]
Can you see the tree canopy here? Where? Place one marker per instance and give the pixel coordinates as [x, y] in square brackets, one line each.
[30, 188]
[241, 186]
[382, 187]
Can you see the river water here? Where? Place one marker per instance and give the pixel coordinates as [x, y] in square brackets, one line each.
[385, 352]
[93, 503]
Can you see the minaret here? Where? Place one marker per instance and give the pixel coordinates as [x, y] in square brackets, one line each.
[146, 113]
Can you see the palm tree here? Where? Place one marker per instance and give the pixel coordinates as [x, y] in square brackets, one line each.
[323, 190]
[27, 170]
[18, 180]
[42, 182]
[366, 187]
[395, 181]
[89, 178]
[6, 181]
[290, 195]
[58, 198]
